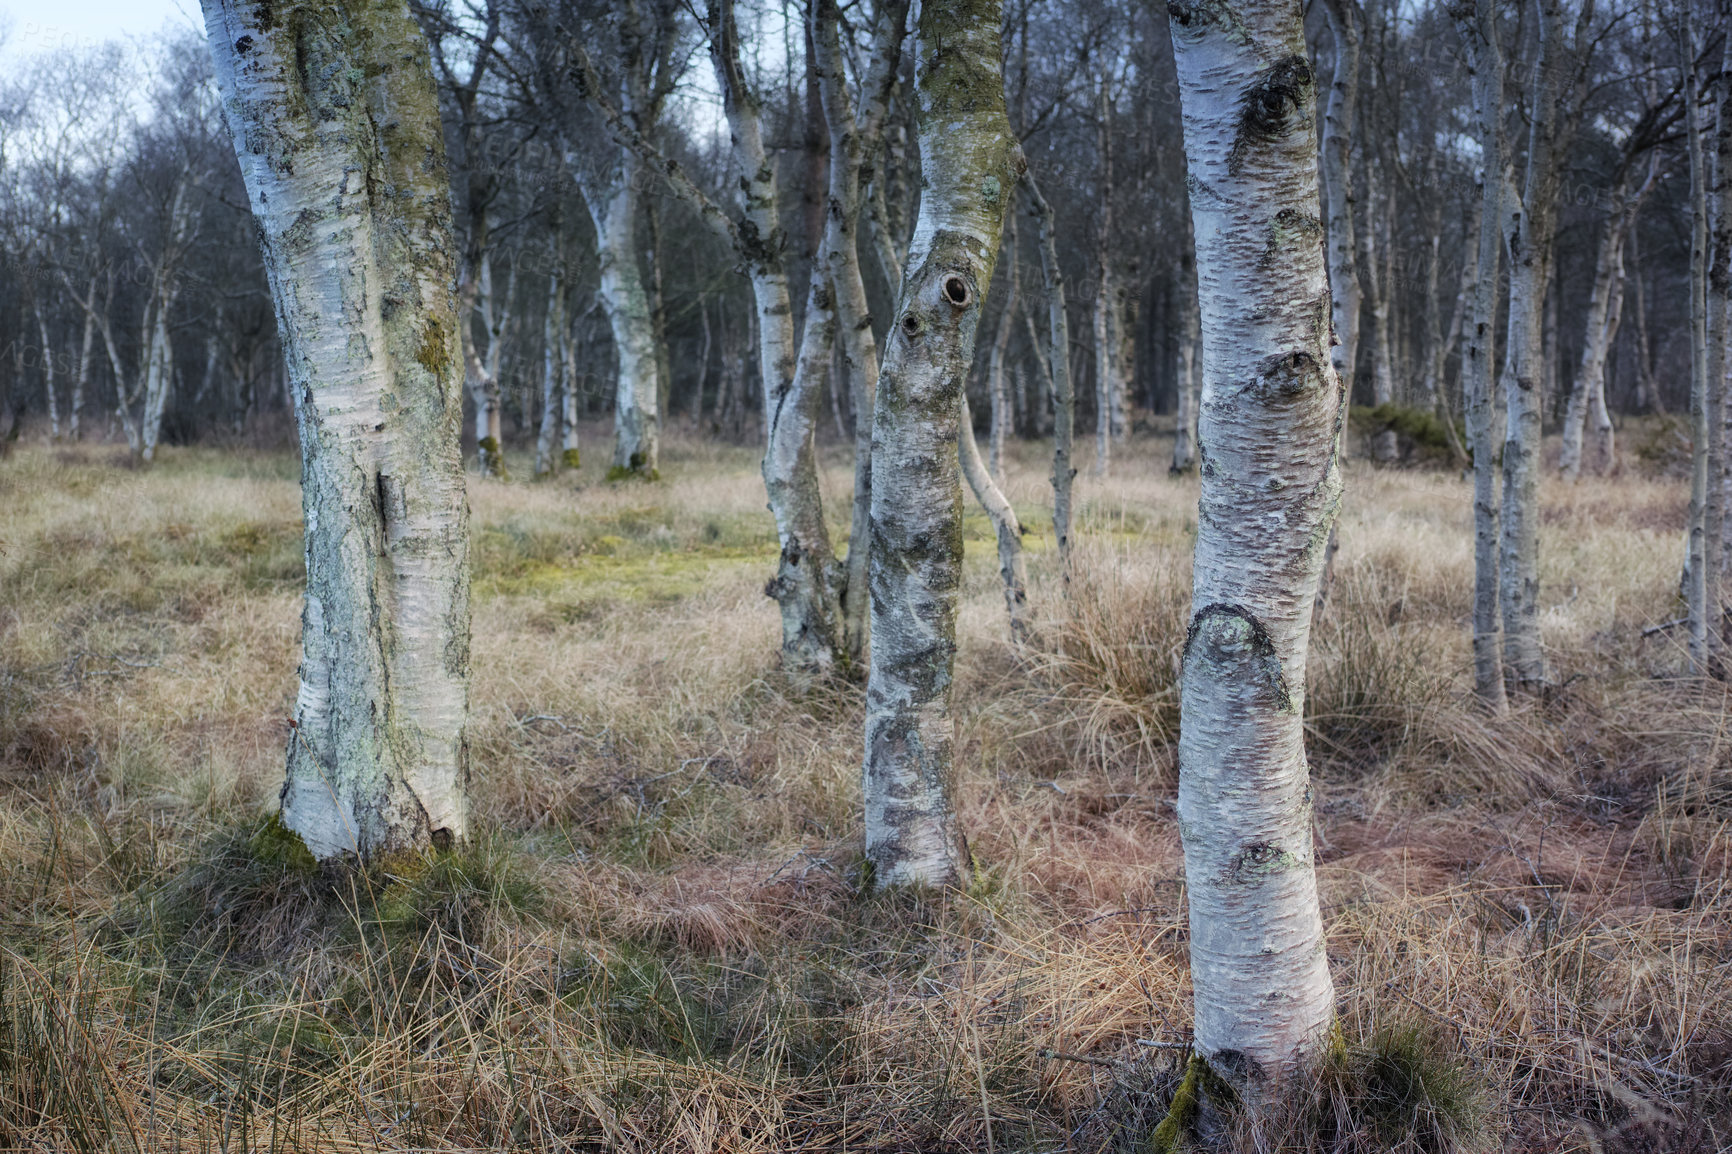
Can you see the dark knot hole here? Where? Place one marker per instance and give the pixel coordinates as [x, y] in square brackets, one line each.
[956, 291]
[911, 325]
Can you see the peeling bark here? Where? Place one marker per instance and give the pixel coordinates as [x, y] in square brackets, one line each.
[969, 161]
[336, 126]
[1269, 430]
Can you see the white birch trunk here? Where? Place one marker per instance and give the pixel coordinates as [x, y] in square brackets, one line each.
[998, 375]
[1699, 584]
[1270, 424]
[83, 378]
[336, 125]
[1530, 221]
[969, 161]
[1106, 373]
[47, 366]
[1059, 365]
[1338, 116]
[1479, 35]
[851, 138]
[637, 433]
[552, 366]
[1718, 547]
[1006, 528]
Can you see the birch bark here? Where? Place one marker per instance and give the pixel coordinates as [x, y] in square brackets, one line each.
[552, 358]
[1058, 365]
[852, 139]
[614, 209]
[1477, 27]
[1699, 582]
[1012, 571]
[1269, 428]
[1338, 115]
[336, 126]
[969, 161]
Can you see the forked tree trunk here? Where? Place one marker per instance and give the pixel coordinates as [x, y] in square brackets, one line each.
[851, 139]
[336, 125]
[1058, 364]
[1605, 307]
[1271, 484]
[1479, 36]
[969, 160]
[636, 421]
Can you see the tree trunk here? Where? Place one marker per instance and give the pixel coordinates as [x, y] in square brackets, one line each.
[1530, 221]
[1383, 445]
[1700, 579]
[552, 360]
[1479, 35]
[1058, 363]
[84, 351]
[47, 356]
[1006, 527]
[998, 375]
[850, 140]
[1345, 292]
[353, 207]
[1719, 297]
[1106, 356]
[1271, 484]
[636, 421]
[969, 160]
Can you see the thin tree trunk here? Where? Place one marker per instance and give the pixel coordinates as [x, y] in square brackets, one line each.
[1344, 18]
[47, 355]
[354, 216]
[998, 376]
[1271, 485]
[1479, 35]
[552, 359]
[84, 357]
[969, 160]
[1700, 583]
[1375, 263]
[1011, 569]
[1530, 221]
[1106, 359]
[851, 138]
[1719, 298]
[1058, 361]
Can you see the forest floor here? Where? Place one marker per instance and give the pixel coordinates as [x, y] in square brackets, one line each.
[657, 943]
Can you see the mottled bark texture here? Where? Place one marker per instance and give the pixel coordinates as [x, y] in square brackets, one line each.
[336, 125]
[1188, 383]
[1477, 26]
[1269, 427]
[1700, 579]
[636, 417]
[969, 161]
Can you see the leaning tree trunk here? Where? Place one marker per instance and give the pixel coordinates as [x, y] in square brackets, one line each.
[969, 160]
[1058, 364]
[1006, 528]
[1479, 35]
[998, 369]
[1271, 484]
[336, 125]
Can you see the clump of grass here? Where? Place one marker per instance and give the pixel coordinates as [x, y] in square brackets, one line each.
[1109, 665]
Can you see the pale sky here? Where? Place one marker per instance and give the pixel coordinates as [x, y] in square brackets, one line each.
[32, 26]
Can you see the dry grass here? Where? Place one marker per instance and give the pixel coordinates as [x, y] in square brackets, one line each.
[658, 945]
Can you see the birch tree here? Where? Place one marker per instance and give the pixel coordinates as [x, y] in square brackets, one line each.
[1269, 427]
[1338, 115]
[1476, 22]
[969, 161]
[1058, 366]
[336, 125]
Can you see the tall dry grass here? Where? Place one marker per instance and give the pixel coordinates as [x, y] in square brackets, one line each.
[658, 941]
